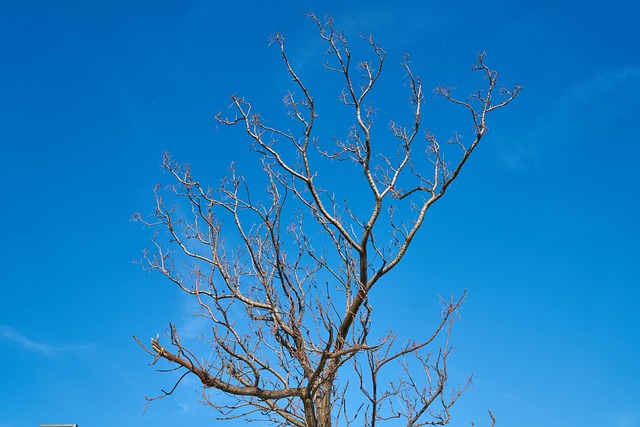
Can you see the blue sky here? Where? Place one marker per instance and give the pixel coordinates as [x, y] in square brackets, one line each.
[541, 229]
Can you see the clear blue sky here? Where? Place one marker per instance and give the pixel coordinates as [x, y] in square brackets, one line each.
[542, 228]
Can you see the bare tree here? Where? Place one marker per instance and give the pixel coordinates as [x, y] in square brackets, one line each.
[284, 271]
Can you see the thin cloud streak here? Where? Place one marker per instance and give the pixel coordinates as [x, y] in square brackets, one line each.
[600, 87]
[628, 420]
[14, 337]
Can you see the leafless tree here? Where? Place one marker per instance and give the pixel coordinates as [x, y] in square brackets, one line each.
[284, 270]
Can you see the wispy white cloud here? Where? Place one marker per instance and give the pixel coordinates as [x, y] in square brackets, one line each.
[597, 86]
[191, 325]
[628, 420]
[596, 92]
[14, 337]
